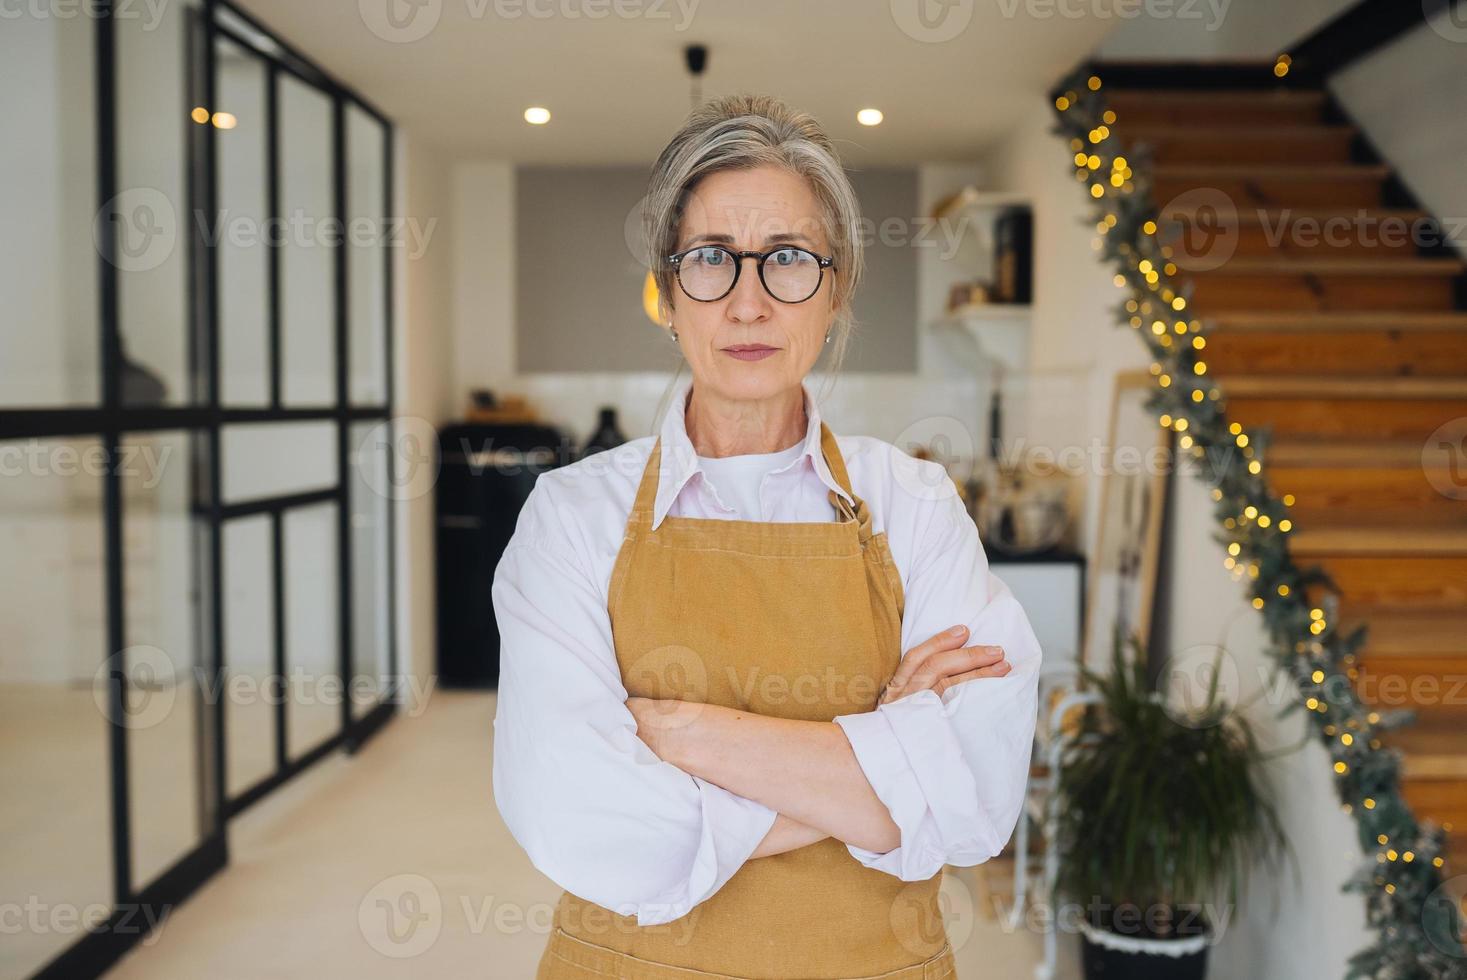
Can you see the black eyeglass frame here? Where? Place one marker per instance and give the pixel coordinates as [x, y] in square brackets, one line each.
[823, 261]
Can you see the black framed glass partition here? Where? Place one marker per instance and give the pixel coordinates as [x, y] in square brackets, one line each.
[196, 567]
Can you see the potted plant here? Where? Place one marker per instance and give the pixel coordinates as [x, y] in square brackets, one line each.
[1158, 813]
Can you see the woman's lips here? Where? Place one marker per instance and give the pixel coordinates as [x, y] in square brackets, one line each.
[747, 353]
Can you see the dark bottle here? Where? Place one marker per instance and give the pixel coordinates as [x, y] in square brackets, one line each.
[606, 436]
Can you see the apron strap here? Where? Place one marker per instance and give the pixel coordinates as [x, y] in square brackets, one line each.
[646, 498]
[848, 512]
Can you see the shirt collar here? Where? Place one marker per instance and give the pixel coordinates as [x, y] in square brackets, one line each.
[680, 459]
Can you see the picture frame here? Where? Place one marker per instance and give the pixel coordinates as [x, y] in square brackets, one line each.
[1139, 459]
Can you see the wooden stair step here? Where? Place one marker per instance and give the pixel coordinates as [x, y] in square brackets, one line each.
[1293, 450]
[1315, 387]
[1275, 216]
[1387, 495]
[1347, 417]
[1241, 143]
[1443, 800]
[1386, 540]
[1290, 283]
[1412, 582]
[1344, 353]
[1418, 266]
[1393, 632]
[1254, 185]
[1254, 230]
[1434, 687]
[1341, 409]
[1430, 752]
[1336, 321]
[1237, 106]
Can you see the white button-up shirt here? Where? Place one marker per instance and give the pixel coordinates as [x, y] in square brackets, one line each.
[603, 817]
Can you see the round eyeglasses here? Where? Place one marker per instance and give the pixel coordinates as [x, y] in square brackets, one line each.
[709, 272]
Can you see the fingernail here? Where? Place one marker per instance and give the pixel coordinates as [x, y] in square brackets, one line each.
[957, 630]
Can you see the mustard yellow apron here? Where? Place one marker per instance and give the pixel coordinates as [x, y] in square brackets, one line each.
[794, 620]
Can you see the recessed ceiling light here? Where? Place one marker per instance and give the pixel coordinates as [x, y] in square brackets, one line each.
[537, 115]
[225, 120]
[869, 117]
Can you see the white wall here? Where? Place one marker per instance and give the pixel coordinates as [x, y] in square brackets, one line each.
[423, 337]
[1285, 927]
[1077, 349]
[880, 404]
[1407, 97]
[1216, 29]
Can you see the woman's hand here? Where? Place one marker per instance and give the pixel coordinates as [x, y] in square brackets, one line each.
[940, 663]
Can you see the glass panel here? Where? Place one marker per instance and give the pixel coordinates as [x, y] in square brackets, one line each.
[268, 459]
[367, 233]
[165, 576]
[371, 495]
[313, 682]
[56, 804]
[49, 334]
[150, 213]
[244, 254]
[249, 651]
[307, 261]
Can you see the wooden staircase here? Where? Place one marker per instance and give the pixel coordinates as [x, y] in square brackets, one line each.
[1352, 347]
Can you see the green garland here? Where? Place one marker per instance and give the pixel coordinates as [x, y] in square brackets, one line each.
[1416, 923]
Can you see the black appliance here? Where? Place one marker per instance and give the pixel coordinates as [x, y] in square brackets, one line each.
[1013, 248]
[486, 473]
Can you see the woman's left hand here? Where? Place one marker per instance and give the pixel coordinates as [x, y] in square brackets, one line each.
[934, 665]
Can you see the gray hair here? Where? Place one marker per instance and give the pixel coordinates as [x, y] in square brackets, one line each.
[742, 132]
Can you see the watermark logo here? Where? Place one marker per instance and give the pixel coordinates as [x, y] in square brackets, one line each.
[1442, 917]
[921, 921]
[149, 12]
[408, 447]
[137, 229]
[1201, 228]
[1211, 13]
[1448, 19]
[951, 447]
[149, 692]
[1200, 685]
[400, 21]
[669, 673]
[37, 917]
[401, 916]
[1444, 459]
[932, 21]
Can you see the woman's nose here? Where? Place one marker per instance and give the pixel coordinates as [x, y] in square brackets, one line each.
[749, 300]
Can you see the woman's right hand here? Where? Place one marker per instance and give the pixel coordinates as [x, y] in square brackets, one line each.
[942, 662]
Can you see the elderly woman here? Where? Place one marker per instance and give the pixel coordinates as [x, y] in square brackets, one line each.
[758, 684]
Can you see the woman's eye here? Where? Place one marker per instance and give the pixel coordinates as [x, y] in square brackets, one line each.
[788, 256]
[709, 256]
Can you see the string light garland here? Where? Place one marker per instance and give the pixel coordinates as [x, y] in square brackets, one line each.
[1415, 921]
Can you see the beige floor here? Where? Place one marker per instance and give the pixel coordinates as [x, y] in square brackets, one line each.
[394, 863]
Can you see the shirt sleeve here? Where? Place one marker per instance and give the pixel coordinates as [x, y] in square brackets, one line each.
[593, 806]
[952, 769]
